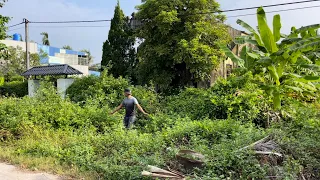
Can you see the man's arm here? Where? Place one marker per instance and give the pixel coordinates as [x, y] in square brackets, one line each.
[141, 109]
[117, 109]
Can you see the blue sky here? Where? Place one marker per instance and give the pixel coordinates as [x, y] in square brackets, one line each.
[93, 37]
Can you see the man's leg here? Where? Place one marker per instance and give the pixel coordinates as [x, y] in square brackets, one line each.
[131, 120]
[126, 122]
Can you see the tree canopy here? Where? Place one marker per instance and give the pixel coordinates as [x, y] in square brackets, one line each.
[118, 50]
[45, 39]
[179, 41]
[67, 47]
[3, 21]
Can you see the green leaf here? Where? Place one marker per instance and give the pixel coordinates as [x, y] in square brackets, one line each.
[308, 61]
[265, 32]
[250, 29]
[290, 40]
[244, 40]
[276, 27]
[233, 57]
[307, 28]
[311, 66]
[276, 100]
[253, 55]
[243, 53]
[301, 42]
[297, 89]
[265, 60]
[274, 74]
[309, 79]
[308, 86]
[292, 75]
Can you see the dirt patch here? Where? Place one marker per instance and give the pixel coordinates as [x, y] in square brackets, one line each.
[10, 172]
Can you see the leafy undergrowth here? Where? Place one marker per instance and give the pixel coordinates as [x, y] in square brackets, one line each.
[79, 139]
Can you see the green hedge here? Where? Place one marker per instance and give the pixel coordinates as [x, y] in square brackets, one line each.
[15, 88]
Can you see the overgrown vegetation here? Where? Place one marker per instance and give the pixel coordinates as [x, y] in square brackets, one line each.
[216, 122]
[77, 136]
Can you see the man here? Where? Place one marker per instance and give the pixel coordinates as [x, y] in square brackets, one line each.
[129, 103]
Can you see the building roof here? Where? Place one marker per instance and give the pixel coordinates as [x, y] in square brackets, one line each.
[61, 69]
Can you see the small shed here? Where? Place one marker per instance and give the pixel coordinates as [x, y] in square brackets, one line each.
[53, 70]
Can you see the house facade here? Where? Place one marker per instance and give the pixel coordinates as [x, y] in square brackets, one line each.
[76, 59]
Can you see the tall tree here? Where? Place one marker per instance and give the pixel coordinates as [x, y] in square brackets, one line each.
[45, 39]
[14, 62]
[3, 21]
[67, 47]
[90, 58]
[118, 50]
[180, 39]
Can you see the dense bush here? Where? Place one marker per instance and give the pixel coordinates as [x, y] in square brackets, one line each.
[14, 88]
[235, 98]
[107, 90]
[104, 89]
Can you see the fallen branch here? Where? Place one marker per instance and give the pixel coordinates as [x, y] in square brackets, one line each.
[161, 173]
[268, 153]
[255, 143]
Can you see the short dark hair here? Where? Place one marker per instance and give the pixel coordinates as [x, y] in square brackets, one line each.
[127, 90]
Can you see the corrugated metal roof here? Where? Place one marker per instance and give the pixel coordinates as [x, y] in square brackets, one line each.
[61, 69]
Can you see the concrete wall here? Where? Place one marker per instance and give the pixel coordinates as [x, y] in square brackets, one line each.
[83, 69]
[33, 86]
[33, 46]
[62, 86]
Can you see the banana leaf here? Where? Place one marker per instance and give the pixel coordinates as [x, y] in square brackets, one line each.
[233, 57]
[277, 27]
[253, 55]
[300, 42]
[273, 72]
[307, 28]
[290, 40]
[250, 29]
[265, 32]
[276, 100]
[244, 40]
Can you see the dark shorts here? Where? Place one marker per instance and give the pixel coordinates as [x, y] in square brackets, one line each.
[128, 121]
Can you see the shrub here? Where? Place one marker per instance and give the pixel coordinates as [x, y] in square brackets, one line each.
[104, 90]
[14, 88]
[235, 98]
[1, 80]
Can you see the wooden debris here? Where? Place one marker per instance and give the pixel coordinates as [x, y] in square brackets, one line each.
[197, 159]
[156, 172]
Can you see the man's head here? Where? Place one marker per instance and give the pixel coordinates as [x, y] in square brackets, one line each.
[127, 92]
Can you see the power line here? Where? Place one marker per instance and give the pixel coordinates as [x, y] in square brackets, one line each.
[284, 10]
[272, 5]
[15, 29]
[59, 22]
[15, 25]
[230, 10]
[64, 26]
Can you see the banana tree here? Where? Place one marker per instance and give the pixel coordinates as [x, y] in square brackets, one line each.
[284, 62]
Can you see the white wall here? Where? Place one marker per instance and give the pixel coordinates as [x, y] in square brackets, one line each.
[33, 47]
[83, 69]
[62, 86]
[33, 86]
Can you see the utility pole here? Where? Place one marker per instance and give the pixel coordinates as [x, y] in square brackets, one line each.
[26, 23]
